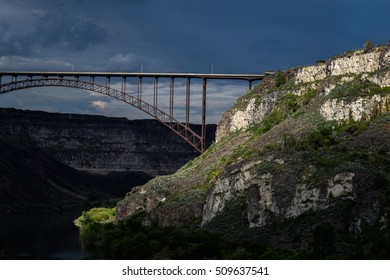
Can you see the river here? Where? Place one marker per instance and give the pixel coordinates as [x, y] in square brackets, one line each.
[42, 236]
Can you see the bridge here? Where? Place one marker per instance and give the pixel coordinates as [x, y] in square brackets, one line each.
[101, 82]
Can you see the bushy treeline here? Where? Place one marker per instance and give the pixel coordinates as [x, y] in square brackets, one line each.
[132, 240]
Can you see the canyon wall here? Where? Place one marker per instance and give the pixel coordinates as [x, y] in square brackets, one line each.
[100, 144]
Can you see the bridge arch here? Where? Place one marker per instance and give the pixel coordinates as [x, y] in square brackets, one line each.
[183, 130]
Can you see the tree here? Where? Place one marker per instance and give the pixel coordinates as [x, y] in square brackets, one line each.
[368, 45]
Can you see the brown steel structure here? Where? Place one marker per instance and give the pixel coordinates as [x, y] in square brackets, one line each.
[23, 80]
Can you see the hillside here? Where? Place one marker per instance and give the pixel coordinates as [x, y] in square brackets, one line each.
[301, 163]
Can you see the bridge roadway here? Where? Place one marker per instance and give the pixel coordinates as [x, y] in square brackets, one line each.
[247, 77]
[72, 79]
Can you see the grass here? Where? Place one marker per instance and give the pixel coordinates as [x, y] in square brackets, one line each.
[96, 215]
[356, 88]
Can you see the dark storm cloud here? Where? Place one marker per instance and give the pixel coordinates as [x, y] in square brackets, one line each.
[61, 32]
[13, 44]
[67, 33]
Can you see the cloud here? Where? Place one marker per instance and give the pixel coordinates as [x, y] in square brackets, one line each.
[100, 104]
[133, 62]
[59, 32]
[16, 63]
[68, 33]
[123, 62]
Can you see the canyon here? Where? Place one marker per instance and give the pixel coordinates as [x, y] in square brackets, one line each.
[52, 160]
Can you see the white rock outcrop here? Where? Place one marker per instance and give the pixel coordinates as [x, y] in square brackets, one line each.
[254, 111]
[340, 185]
[359, 109]
[323, 77]
[358, 62]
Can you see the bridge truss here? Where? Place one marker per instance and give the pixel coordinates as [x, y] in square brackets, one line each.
[86, 81]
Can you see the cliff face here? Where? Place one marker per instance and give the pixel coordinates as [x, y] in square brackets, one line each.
[307, 149]
[339, 72]
[32, 180]
[100, 144]
[343, 93]
[44, 158]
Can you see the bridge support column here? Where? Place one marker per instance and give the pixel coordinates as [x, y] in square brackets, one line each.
[108, 82]
[92, 81]
[171, 97]
[155, 94]
[124, 84]
[203, 144]
[139, 90]
[250, 85]
[188, 90]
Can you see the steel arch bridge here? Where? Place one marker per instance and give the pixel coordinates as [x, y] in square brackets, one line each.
[86, 81]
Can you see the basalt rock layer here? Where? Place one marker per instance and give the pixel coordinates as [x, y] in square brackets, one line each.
[100, 144]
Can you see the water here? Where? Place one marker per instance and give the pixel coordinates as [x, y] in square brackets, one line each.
[41, 236]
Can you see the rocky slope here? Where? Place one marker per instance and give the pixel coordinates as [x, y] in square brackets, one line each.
[100, 144]
[302, 162]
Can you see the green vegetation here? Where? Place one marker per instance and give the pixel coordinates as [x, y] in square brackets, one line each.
[132, 240]
[280, 79]
[356, 88]
[368, 45]
[96, 216]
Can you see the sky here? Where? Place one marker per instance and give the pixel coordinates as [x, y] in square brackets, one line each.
[200, 36]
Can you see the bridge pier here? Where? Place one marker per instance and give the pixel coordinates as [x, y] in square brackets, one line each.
[155, 93]
[204, 88]
[171, 96]
[188, 101]
[140, 88]
[108, 83]
[124, 81]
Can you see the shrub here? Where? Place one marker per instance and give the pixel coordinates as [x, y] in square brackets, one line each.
[280, 79]
[368, 45]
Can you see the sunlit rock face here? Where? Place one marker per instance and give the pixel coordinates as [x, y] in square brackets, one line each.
[323, 77]
[354, 63]
[253, 112]
[359, 109]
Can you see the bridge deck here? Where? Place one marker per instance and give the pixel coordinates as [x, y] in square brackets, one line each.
[247, 77]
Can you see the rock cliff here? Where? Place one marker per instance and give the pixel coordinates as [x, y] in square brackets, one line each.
[308, 149]
[100, 144]
[345, 72]
[57, 161]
